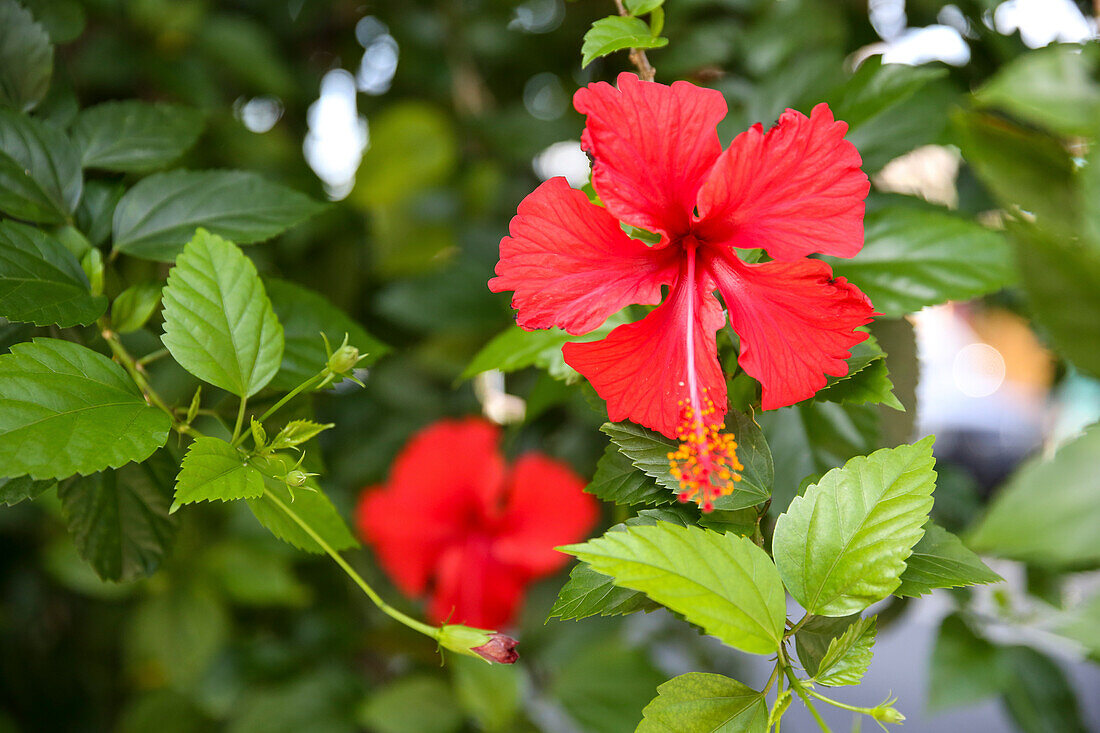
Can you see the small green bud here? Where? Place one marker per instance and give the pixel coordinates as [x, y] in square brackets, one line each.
[344, 360]
[886, 713]
[491, 646]
[297, 478]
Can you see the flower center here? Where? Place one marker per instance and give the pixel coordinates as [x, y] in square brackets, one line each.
[705, 463]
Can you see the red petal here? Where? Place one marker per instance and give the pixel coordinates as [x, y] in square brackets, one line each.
[796, 190]
[474, 588]
[640, 369]
[571, 265]
[653, 145]
[449, 476]
[546, 507]
[795, 322]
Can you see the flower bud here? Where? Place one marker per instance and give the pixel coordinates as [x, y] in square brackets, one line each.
[491, 646]
[885, 713]
[343, 360]
[297, 478]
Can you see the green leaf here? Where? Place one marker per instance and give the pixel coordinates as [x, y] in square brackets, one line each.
[305, 315]
[1051, 87]
[913, 258]
[26, 58]
[213, 469]
[847, 657]
[1048, 511]
[871, 385]
[842, 545]
[700, 702]
[218, 321]
[604, 684]
[297, 432]
[941, 560]
[251, 575]
[647, 449]
[721, 582]
[815, 637]
[1038, 696]
[489, 693]
[642, 7]
[96, 210]
[176, 635]
[160, 214]
[1059, 276]
[307, 502]
[615, 33]
[41, 282]
[1021, 167]
[57, 394]
[15, 490]
[40, 178]
[965, 669]
[134, 306]
[419, 703]
[618, 481]
[119, 519]
[588, 593]
[1079, 624]
[133, 136]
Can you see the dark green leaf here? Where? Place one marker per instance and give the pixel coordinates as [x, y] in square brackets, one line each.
[176, 635]
[605, 684]
[722, 582]
[642, 7]
[965, 668]
[871, 385]
[160, 214]
[26, 58]
[134, 306]
[842, 545]
[941, 560]
[133, 136]
[813, 640]
[15, 490]
[56, 393]
[40, 178]
[848, 656]
[1039, 698]
[1052, 87]
[274, 509]
[1049, 510]
[417, 703]
[913, 258]
[119, 519]
[489, 693]
[305, 315]
[64, 20]
[618, 481]
[96, 211]
[615, 33]
[758, 473]
[699, 702]
[218, 321]
[41, 282]
[215, 470]
[647, 449]
[252, 575]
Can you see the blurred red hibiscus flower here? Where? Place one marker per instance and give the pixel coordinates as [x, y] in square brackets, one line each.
[658, 165]
[458, 525]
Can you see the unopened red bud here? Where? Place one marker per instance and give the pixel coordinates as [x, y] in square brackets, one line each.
[500, 648]
[492, 646]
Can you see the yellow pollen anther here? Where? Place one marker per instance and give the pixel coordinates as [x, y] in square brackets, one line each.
[705, 463]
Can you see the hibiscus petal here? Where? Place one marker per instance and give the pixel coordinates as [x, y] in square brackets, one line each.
[449, 477]
[796, 190]
[546, 507]
[640, 369]
[474, 588]
[571, 265]
[796, 323]
[653, 145]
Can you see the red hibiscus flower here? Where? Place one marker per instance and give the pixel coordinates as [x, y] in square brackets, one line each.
[479, 531]
[658, 165]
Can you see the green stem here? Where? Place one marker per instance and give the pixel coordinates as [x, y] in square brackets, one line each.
[237, 436]
[153, 356]
[839, 704]
[430, 631]
[794, 629]
[134, 369]
[778, 695]
[801, 691]
[286, 398]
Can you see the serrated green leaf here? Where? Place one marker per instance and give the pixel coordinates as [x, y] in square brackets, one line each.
[700, 702]
[722, 582]
[941, 560]
[305, 315]
[41, 282]
[297, 432]
[1048, 511]
[134, 306]
[813, 639]
[1059, 276]
[1052, 87]
[307, 502]
[15, 490]
[156, 217]
[847, 657]
[842, 545]
[26, 58]
[618, 481]
[871, 386]
[614, 33]
[215, 470]
[913, 258]
[218, 321]
[641, 7]
[56, 393]
[119, 518]
[40, 178]
[133, 136]
[647, 449]
[964, 668]
[588, 593]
